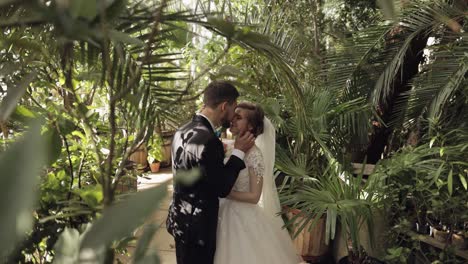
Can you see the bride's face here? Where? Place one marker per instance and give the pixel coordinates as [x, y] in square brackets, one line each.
[240, 123]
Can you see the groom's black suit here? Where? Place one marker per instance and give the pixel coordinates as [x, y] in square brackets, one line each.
[193, 214]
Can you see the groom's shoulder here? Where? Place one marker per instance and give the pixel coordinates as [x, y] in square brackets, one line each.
[194, 131]
[195, 126]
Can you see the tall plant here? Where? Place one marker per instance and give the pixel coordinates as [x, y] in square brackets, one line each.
[343, 200]
[397, 67]
[101, 73]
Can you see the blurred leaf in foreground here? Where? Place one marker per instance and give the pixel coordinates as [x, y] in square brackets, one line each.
[20, 166]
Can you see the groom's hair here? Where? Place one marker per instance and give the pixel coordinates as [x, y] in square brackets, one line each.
[254, 117]
[219, 91]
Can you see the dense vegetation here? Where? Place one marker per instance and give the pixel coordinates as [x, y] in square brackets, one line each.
[85, 83]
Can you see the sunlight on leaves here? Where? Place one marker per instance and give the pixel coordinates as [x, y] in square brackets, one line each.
[9, 102]
[118, 36]
[91, 195]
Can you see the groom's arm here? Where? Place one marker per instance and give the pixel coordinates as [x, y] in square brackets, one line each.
[220, 177]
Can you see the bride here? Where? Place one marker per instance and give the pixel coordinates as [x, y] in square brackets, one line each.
[249, 229]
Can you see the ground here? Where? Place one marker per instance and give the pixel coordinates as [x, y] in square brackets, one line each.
[162, 242]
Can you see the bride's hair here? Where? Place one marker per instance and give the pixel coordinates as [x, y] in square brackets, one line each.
[254, 117]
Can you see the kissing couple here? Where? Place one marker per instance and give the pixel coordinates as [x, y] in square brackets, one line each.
[243, 226]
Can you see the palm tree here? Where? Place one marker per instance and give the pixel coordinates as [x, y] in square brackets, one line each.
[101, 73]
[404, 73]
[388, 65]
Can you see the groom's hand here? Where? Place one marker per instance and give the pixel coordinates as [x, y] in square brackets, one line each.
[244, 142]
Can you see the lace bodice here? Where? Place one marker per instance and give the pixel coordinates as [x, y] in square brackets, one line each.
[254, 161]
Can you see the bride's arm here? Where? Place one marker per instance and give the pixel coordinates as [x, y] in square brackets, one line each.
[253, 196]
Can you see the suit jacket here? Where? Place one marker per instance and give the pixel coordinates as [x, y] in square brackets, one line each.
[193, 213]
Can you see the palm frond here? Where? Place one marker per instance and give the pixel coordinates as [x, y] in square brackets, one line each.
[417, 20]
[370, 61]
[432, 87]
[347, 72]
[339, 201]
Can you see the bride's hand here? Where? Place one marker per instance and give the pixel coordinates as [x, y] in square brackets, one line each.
[225, 147]
[244, 142]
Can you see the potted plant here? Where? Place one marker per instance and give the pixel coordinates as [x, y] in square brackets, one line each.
[155, 155]
[337, 201]
[308, 235]
[460, 239]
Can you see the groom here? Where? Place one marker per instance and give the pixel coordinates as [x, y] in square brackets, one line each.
[193, 214]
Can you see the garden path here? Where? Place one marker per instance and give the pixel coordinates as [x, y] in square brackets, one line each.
[162, 242]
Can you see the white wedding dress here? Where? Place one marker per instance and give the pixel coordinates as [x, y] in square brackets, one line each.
[249, 233]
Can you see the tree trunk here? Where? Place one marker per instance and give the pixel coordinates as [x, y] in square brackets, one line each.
[381, 134]
[4, 129]
[67, 67]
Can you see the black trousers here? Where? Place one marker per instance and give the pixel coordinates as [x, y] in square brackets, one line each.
[194, 252]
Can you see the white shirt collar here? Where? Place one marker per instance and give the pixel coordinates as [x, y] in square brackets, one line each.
[211, 123]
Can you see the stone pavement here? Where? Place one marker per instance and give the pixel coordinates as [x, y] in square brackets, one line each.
[162, 242]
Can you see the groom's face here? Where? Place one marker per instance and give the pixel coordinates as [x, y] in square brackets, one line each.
[229, 112]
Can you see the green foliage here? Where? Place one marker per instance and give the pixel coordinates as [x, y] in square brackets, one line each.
[155, 149]
[52, 187]
[19, 165]
[91, 195]
[143, 246]
[397, 255]
[339, 197]
[90, 245]
[67, 246]
[102, 75]
[12, 98]
[95, 90]
[347, 90]
[106, 230]
[421, 188]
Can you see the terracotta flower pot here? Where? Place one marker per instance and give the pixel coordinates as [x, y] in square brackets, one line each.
[155, 166]
[459, 241]
[440, 235]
